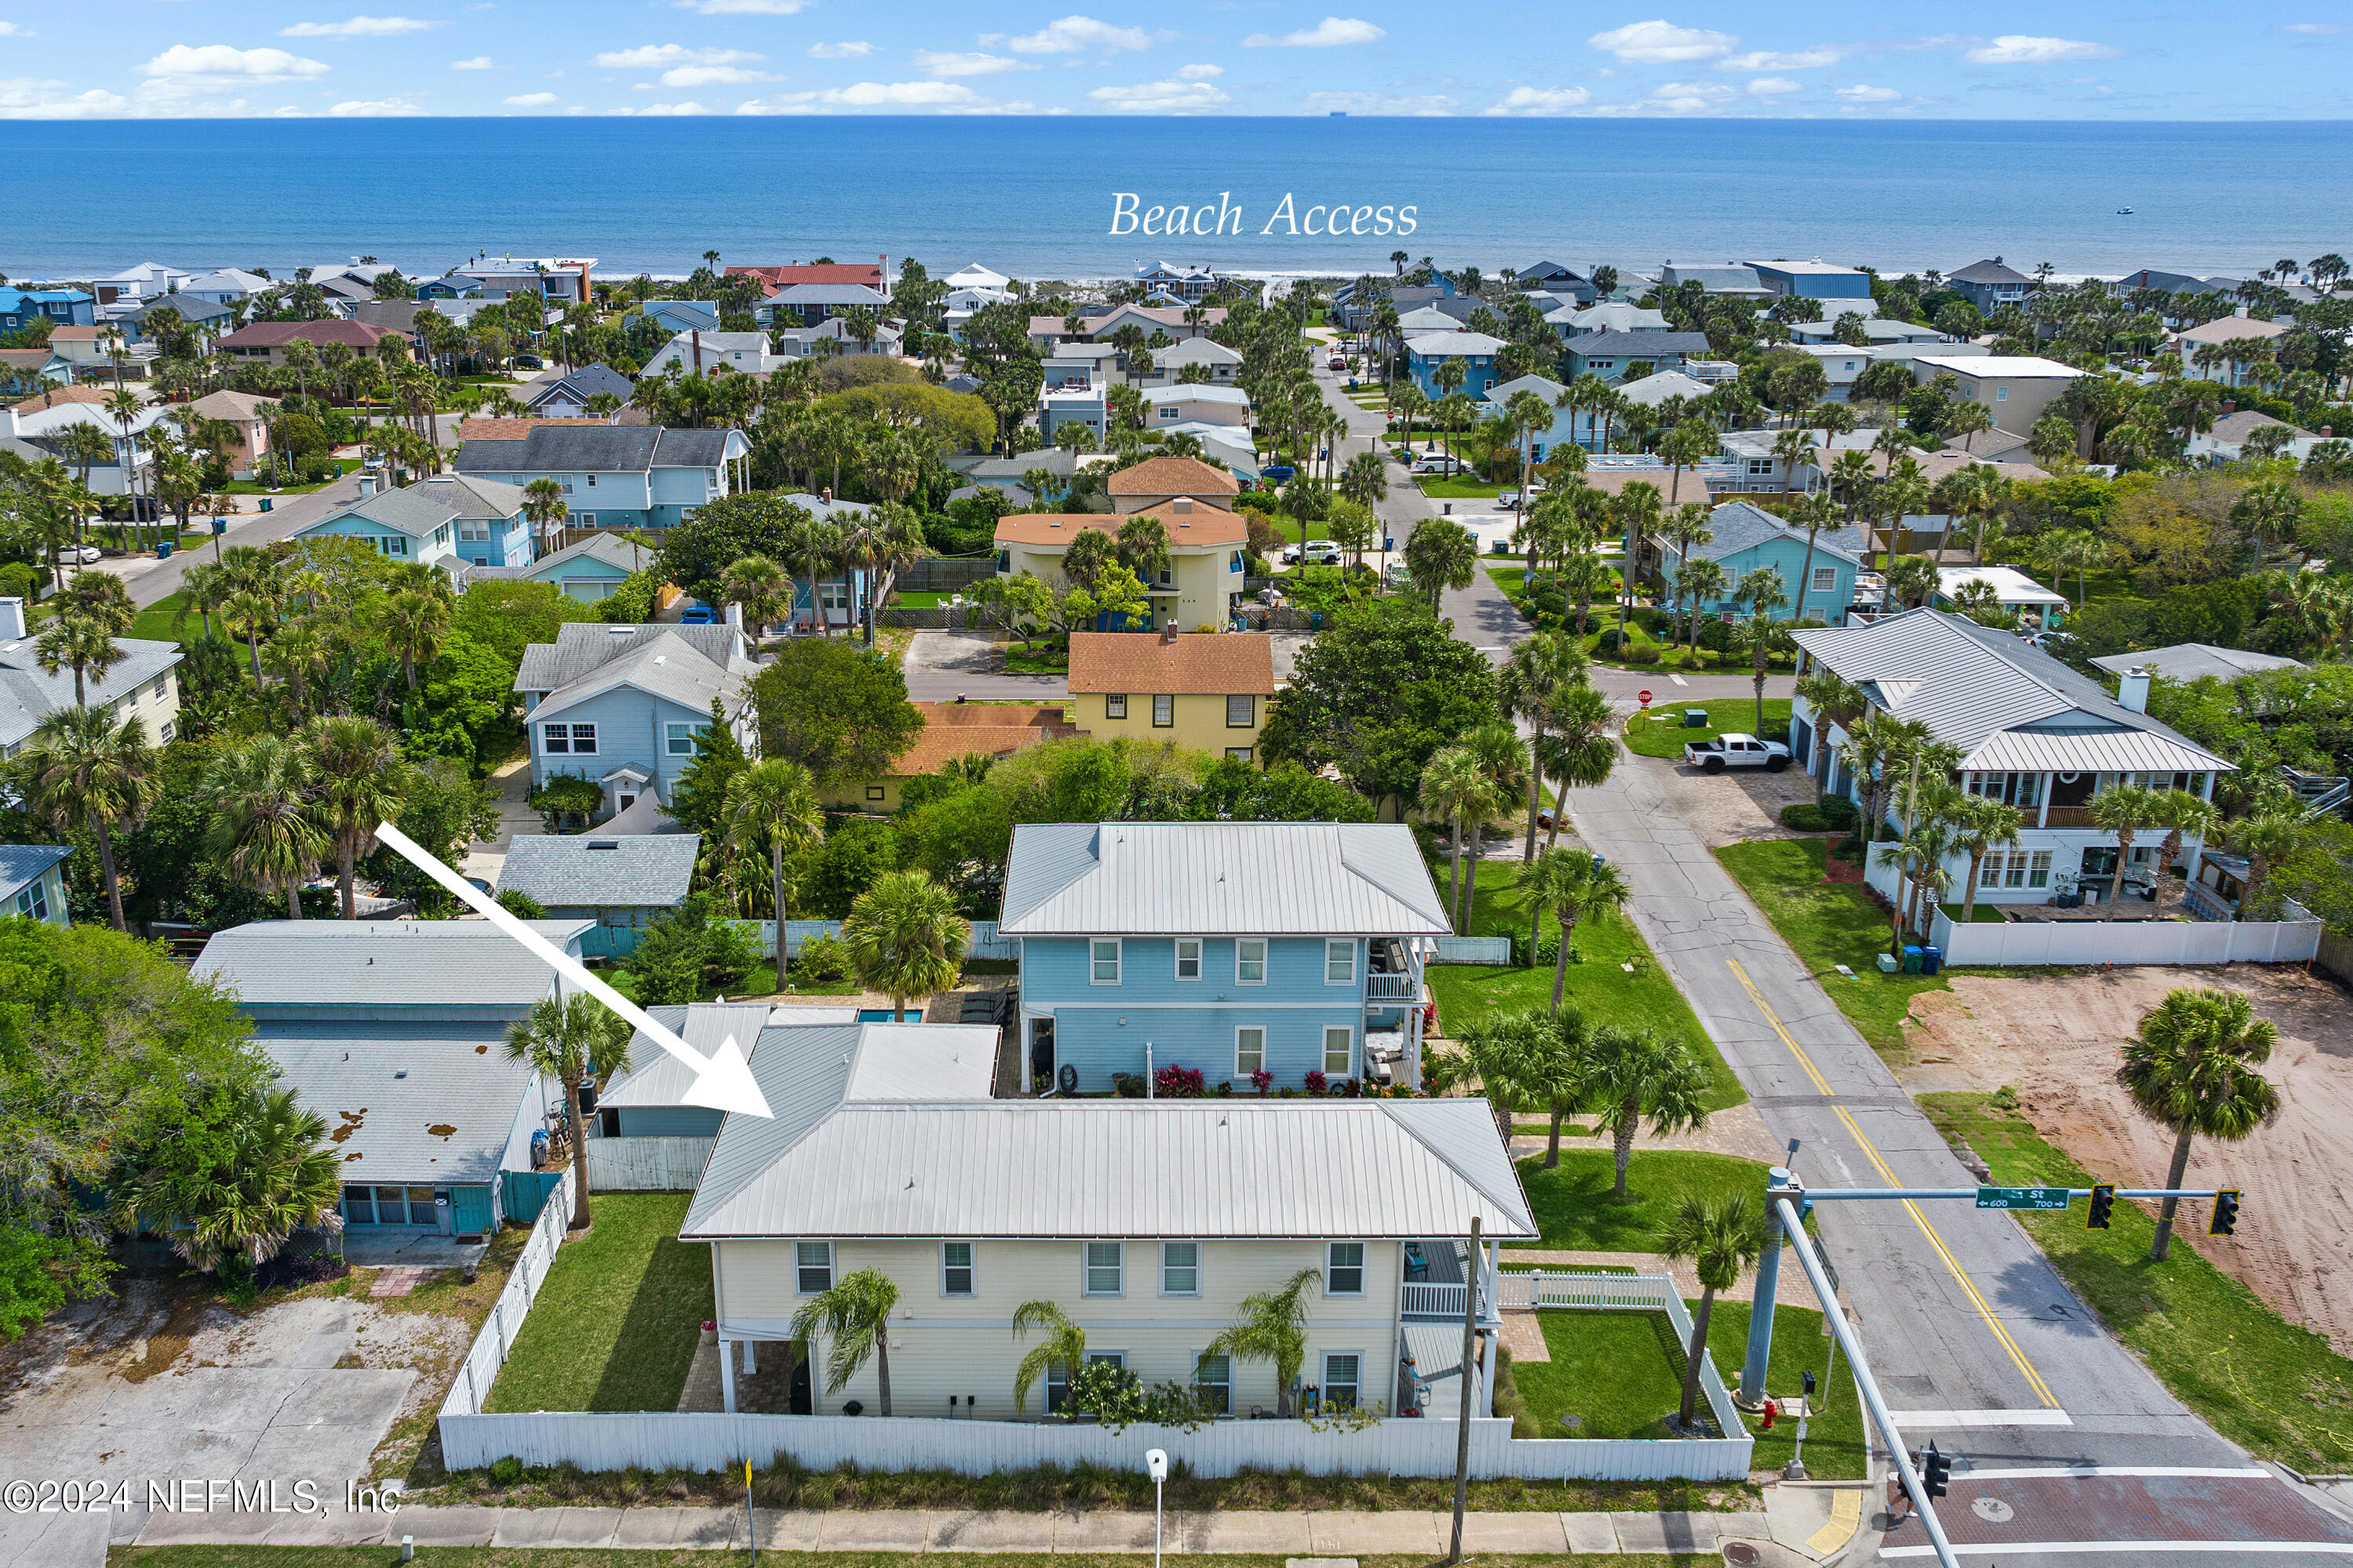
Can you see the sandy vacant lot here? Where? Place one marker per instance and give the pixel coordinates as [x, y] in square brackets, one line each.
[2057, 1039]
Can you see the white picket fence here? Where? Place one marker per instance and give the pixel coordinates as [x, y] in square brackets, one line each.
[481, 1365]
[2128, 941]
[985, 943]
[646, 1164]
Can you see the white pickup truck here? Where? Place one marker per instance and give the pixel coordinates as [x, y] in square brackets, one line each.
[1736, 751]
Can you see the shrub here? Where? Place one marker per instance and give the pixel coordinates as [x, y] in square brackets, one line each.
[1261, 1080]
[1839, 811]
[1805, 817]
[1173, 1082]
[1317, 1082]
[1127, 1084]
[1716, 636]
[822, 958]
[522, 905]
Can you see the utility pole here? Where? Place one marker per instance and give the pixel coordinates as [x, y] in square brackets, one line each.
[1470, 1375]
[1752, 1392]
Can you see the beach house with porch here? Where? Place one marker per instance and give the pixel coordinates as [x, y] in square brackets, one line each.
[626, 705]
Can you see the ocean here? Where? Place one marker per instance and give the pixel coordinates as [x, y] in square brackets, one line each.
[1036, 197]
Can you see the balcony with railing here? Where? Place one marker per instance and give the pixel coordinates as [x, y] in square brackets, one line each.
[1379, 987]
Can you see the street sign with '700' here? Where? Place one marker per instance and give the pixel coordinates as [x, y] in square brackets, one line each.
[2022, 1197]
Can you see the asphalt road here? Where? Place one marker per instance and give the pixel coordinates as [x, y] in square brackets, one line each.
[149, 579]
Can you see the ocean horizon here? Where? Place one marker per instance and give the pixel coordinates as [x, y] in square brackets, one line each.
[1035, 198]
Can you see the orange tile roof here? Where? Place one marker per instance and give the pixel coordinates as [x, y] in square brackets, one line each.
[51, 399]
[1173, 477]
[484, 427]
[1204, 524]
[775, 279]
[1218, 663]
[998, 730]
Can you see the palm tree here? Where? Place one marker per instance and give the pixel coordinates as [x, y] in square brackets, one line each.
[1571, 884]
[1440, 554]
[1722, 1237]
[1635, 509]
[82, 770]
[1582, 749]
[1534, 1059]
[1980, 825]
[1273, 1327]
[266, 1172]
[1697, 583]
[856, 1315]
[1814, 513]
[1686, 528]
[2192, 1068]
[76, 640]
[905, 937]
[1455, 787]
[1065, 1345]
[1630, 1074]
[1538, 668]
[762, 588]
[413, 623]
[2266, 838]
[1873, 746]
[363, 781]
[261, 824]
[566, 1038]
[773, 802]
[1761, 590]
[2181, 814]
[248, 612]
[543, 505]
[2124, 810]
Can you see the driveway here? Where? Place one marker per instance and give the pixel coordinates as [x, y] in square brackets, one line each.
[150, 579]
[485, 859]
[942, 666]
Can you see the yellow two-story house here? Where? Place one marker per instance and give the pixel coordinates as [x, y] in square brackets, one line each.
[1202, 583]
[1208, 691]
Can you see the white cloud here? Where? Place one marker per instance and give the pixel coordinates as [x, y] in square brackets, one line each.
[1861, 93]
[1079, 35]
[1426, 104]
[740, 8]
[1198, 73]
[709, 76]
[379, 108]
[848, 50]
[10, 30]
[1774, 87]
[1659, 43]
[2023, 49]
[35, 98]
[655, 57]
[358, 27]
[1324, 34]
[197, 68]
[479, 63]
[1689, 96]
[2314, 29]
[532, 99]
[658, 111]
[1770, 60]
[933, 63]
[1542, 100]
[1162, 97]
[947, 95]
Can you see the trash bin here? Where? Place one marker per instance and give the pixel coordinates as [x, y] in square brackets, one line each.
[1446, 509]
[1887, 964]
[1911, 957]
[264, 503]
[1695, 718]
[220, 525]
[1932, 958]
[1315, 622]
[163, 550]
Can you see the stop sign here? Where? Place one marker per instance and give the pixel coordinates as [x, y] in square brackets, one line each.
[1645, 697]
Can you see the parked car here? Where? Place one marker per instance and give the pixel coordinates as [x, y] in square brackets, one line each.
[1275, 473]
[1508, 498]
[696, 614]
[1337, 362]
[1317, 553]
[1434, 465]
[1736, 751]
[79, 554]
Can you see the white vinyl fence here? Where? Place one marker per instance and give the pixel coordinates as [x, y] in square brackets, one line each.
[2129, 941]
[1472, 950]
[985, 943]
[498, 1336]
[646, 1164]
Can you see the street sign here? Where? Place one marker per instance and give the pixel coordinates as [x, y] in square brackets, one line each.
[2022, 1197]
[1645, 698]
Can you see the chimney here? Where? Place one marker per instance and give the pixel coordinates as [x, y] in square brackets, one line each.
[2230, 406]
[825, 495]
[367, 486]
[1168, 633]
[2132, 691]
[12, 620]
[2325, 433]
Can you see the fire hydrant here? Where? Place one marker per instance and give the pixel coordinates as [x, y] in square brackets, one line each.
[1771, 1410]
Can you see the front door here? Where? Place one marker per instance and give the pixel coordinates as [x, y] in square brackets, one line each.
[445, 1217]
[1041, 1051]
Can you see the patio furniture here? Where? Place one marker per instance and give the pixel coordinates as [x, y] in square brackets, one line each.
[1417, 1266]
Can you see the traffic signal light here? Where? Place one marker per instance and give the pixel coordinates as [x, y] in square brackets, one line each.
[2226, 1213]
[1935, 1471]
[2103, 1198]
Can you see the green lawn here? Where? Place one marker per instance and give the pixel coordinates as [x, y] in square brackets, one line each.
[920, 601]
[1834, 1439]
[1983, 914]
[1575, 1209]
[2264, 1383]
[1652, 737]
[615, 1323]
[760, 982]
[1619, 1371]
[155, 621]
[1441, 488]
[1830, 924]
[1035, 660]
[1646, 998]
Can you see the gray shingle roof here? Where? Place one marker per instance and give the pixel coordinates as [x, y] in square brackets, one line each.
[606, 448]
[384, 964]
[582, 648]
[30, 694]
[1989, 271]
[595, 871]
[1640, 345]
[665, 668]
[20, 863]
[1212, 878]
[1742, 525]
[406, 1102]
[578, 385]
[432, 503]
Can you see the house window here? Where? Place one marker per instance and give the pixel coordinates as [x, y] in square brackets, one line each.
[682, 739]
[956, 1268]
[1104, 962]
[1238, 753]
[1241, 711]
[1180, 1268]
[33, 904]
[359, 1206]
[474, 533]
[1115, 705]
[1342, 1380]
[1250, 961]
[813, 1265]
[392, 546]
[2038, 870]
[162, 682]
[560, 740]
[1188, 958]
[1340, 963]
[1164, 711]
[1249, 1050]
[1760, 465]
[1105, 1269]
[1825, 579]
[1339, 1049]
[876, 792]
[1344, 1268]
[592, 481]
[1213, 1384]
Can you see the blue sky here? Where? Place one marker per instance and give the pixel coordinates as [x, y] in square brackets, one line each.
[2062, 60]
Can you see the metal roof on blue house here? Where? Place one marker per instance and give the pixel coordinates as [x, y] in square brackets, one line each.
[409, 1101]
[21, 863]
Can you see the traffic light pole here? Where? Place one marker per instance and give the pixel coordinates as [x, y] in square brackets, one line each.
[1830, 1194]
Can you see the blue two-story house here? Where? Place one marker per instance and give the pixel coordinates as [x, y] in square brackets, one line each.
[445, 520]
[615, 476]
[1425, 352]
[1747, 537]
[59, 307]
[626, 705]
[1235, 949]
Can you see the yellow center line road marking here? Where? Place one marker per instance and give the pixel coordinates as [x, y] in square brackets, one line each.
[2033, 1378]
[1787, 1039]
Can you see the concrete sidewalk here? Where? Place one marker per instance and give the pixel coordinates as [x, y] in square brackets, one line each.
[1793, 1516]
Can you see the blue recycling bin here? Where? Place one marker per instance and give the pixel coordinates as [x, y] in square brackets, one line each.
[220, 525]
[1911, 957]
[163, 550]
[1695, 718]
[1932, 958]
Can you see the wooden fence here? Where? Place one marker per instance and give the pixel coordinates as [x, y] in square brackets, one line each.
[646, 1164]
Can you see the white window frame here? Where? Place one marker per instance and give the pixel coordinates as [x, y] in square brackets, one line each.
[1087, 1266]
[1347, 1067]
[1194, 1268]
[674, 732]
[1333, 1265]
[1223, 1384]
[1356, 1394]
[33, 900]
[1164, 702]
[1242, 944]
[970, 1266]
[555, 740]
[1096, 944]
[1182, 959]
[1237, 753]
[1243, 1065]
[802, 1252]
[1348, 947]
[1825, 580]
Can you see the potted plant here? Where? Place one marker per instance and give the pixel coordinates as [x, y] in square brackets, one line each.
[2065, 894]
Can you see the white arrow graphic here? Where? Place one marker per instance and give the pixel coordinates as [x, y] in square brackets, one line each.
[723, 1080]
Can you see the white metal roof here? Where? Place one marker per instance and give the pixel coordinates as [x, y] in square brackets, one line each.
[2189, 660]
[2110, 751]
[425, 1103]
[1993, 367]
[436, 964]
[1259, 878]
[2011, 587]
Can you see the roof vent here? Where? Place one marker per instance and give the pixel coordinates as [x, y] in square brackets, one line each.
[400, 1072]
[605, 844]
[620, 631]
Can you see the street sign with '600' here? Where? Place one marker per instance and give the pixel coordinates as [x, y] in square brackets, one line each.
[2022, 1197]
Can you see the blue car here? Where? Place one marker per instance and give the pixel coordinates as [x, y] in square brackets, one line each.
[1277, 472]
[696, 614]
